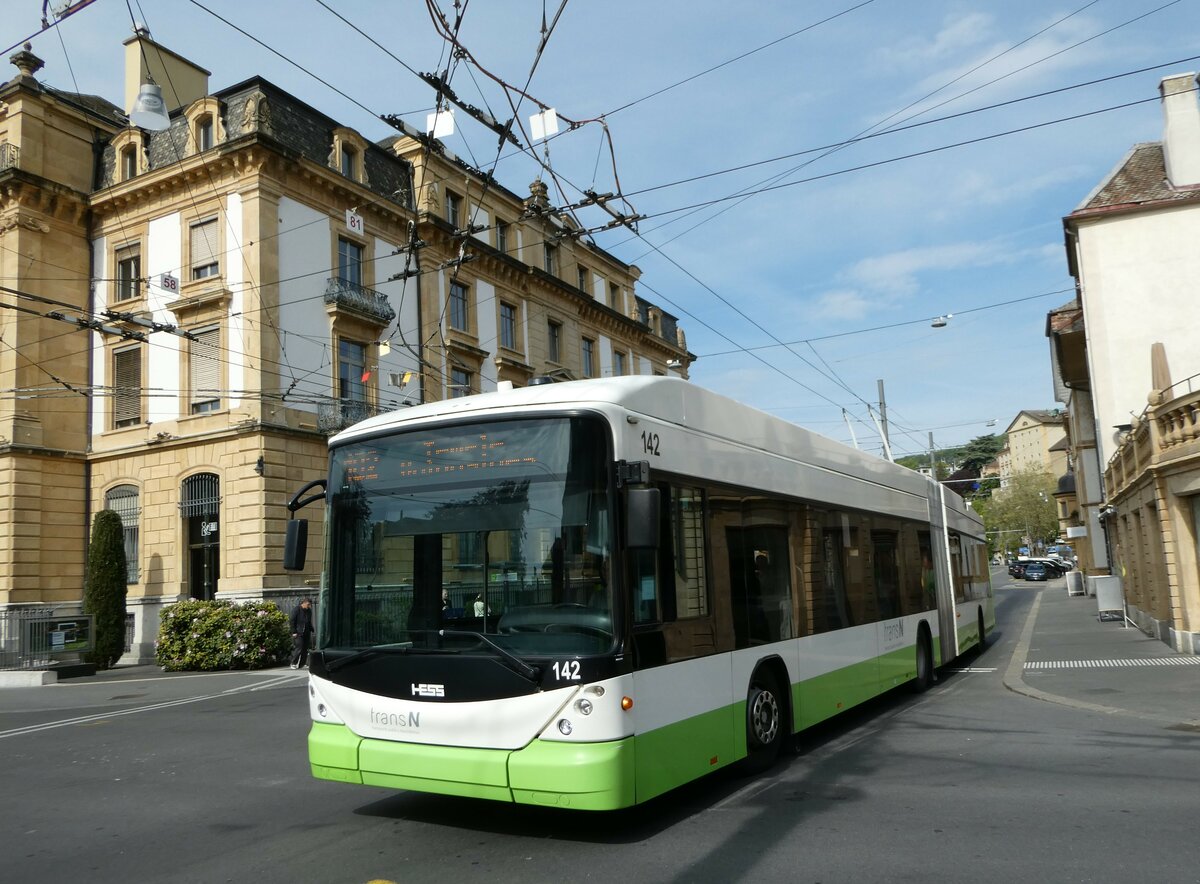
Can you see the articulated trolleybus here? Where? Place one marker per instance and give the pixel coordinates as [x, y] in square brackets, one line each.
[585, 594]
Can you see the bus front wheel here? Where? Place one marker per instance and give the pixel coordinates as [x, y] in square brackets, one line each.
[764, 722]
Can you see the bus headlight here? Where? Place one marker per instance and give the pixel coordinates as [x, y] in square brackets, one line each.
[584, 706]
[564, 727]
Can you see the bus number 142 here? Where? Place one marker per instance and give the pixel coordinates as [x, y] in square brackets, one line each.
[650, 443]
[567, 670]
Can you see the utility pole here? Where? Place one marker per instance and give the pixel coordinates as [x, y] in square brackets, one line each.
[932, 458]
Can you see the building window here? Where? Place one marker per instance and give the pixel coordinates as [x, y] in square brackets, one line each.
[350, 256]
[508, 326]
[589, 358]
[123, 500]
[129, 166]
[204, 364]
[352, 371]
[554, 341]
[458, 306]
[204, 133]
[502, 237]
[614, 296]
[550, 258]
[454, 209]
[129, 272]
[460, 383]
[582, 279]
[127, 387]
[204, 249]
[618, 363]
[349, 161]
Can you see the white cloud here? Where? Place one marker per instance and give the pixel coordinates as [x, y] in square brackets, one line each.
[895, 274]
[956, 34]
[843, 304]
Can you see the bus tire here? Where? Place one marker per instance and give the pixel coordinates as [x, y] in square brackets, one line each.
[982, 634]
[924, 677]
[765, 722]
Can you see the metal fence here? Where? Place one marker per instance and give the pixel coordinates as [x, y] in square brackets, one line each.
[39, 637]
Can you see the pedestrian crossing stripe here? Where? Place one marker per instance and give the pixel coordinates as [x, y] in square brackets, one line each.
[1113, 664]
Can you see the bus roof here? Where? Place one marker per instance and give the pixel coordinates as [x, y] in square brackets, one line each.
[673, 400]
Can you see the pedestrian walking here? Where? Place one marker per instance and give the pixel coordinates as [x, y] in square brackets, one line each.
[302, 630]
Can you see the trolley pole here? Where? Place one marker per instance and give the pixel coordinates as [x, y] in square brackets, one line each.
[887, 443]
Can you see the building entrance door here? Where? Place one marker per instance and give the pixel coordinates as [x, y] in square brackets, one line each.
[204, 548]
[200, 507]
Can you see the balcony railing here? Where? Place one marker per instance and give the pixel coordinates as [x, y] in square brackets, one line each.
[332, 417]
[366, 302]
[1163, 433]
[10, 156]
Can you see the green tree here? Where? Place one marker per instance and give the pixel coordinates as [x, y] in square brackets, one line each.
[104, 589]
[980, 451]
[1022, 513]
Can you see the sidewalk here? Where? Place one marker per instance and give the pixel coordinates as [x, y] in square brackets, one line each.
[1066, 655]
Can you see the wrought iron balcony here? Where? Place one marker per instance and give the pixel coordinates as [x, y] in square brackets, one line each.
[10, 155]
[366, 302]
[335, 416]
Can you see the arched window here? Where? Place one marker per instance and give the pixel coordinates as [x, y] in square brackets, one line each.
[123, 500]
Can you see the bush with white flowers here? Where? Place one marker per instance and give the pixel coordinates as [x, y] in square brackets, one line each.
[209, 635]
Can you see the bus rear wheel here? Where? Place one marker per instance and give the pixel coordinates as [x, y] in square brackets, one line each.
[764, 722]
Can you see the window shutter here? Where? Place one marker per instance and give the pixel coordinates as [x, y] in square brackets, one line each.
[204, 246]
[205, 365]
[127, 387]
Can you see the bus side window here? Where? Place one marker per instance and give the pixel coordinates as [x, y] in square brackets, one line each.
[686, 535]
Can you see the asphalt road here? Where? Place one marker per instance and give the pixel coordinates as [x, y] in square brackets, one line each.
[204, 779]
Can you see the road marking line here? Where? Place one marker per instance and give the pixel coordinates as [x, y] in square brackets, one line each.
[100, 716]
[1113, 664]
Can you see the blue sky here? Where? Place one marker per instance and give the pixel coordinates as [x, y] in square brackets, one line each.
[845, 265]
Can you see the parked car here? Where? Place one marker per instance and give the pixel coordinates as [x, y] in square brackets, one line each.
[1017, 569]
[1036, 571]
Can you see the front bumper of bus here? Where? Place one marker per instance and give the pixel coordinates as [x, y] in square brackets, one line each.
[581, 776]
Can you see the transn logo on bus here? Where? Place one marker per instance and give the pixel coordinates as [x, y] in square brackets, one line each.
[429, 690]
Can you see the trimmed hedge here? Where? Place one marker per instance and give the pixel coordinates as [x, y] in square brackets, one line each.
[211, 635]
[104, 589]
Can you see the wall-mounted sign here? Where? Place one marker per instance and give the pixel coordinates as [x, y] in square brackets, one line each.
[169, 283]
[207, 529]
[354, 222]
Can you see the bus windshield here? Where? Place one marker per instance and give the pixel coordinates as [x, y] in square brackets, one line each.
[489, 538]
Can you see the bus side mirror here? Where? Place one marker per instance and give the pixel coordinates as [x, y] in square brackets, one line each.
[641, 518]
[295, 544]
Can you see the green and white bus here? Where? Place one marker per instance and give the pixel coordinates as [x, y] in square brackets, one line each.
[585, 594]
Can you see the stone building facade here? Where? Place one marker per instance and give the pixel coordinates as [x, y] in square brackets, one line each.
[1117, 351]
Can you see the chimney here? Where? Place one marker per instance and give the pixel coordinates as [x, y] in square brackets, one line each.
[147, 62]
[1181, 130]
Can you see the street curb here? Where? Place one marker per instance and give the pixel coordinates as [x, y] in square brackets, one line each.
[1015, 683]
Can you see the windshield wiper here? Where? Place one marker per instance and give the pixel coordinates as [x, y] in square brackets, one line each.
[511, 660]
[398, 647]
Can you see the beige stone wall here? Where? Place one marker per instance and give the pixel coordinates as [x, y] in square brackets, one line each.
[42, 529]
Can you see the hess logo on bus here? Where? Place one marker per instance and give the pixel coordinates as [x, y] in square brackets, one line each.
[428, 690]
